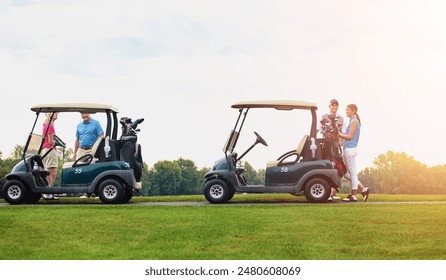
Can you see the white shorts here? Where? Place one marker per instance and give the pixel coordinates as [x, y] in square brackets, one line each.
[51, 160]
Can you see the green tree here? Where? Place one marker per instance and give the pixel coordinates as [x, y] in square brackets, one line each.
[6, 166]
[17, 152]
[252, 176]
[68, 155]
[261, 173]
[165, 178]
[145, 180]
[190, 177]
[367, 178]
[201, 174]
[437, 179]
[399, 173]
[173, 177]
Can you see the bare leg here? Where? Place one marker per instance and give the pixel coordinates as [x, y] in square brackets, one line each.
[52, 176]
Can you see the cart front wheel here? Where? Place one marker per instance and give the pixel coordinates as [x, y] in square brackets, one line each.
[217, 191]
[15, 192]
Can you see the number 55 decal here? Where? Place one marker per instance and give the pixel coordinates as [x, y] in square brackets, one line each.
[78, 171]
[284, 169]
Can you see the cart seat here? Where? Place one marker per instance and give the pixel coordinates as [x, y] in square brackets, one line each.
[297, 153]
[94, 149]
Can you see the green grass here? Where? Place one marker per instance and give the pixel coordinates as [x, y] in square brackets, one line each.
[298, 230]
[250, 198]
[273, 198]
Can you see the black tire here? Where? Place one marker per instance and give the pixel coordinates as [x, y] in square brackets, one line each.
[15, 192]
[33, 198]
[317, 190]
[128, 194]
[111, 191]
[217, 191]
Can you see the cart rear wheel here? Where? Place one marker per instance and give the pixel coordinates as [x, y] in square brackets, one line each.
[128, 194]
[111, 191]
[317, 190]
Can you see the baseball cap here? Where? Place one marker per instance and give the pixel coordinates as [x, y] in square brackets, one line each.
[333, 101]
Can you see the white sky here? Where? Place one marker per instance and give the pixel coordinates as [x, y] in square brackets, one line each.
[181, 64]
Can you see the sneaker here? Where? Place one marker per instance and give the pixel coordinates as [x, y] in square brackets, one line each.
[55, 197]
[335, 197]
[365, 194]
[48, 196]
[330, 198]
[83, 196]
[350, 198]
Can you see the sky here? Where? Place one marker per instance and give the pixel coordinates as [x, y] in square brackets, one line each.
[180, 65]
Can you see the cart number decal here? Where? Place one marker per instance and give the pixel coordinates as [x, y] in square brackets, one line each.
[78, 171]
[284, 169]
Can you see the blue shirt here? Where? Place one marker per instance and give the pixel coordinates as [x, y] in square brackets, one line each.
[353, 143]
[88, 132]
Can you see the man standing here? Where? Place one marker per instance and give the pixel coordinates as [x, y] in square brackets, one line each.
[87, 132]
[326, 122]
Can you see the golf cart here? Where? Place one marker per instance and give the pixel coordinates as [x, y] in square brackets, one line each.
[112, 171]
[306, 170]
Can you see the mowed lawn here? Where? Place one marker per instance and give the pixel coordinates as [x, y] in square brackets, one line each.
[71, 230]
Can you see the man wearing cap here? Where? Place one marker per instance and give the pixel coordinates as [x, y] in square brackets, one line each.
[323, 125]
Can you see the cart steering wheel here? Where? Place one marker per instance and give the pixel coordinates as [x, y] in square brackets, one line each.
[59, 142]
[83, 160]
[260, 139]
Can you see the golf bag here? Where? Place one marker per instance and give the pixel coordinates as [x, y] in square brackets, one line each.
[332, 149]
[131, 150]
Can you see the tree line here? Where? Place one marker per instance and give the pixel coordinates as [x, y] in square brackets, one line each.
[399, 173]
[391, 173]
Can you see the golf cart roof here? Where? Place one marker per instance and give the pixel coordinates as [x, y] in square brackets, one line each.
[74, 107]
[277, 104]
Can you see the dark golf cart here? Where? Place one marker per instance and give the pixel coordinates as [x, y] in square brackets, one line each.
[112, 171]
[310, 169]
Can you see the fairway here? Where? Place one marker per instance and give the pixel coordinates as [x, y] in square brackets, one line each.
[340, 231]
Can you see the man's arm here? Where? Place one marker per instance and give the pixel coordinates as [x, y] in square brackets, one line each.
[76, 147]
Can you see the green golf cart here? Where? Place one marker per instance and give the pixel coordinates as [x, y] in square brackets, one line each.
[306, 170]
[112, 171]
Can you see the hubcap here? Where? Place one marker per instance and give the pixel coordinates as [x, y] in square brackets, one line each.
[216, 191]
[110, 191]
[317, 190]
[14, 192]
